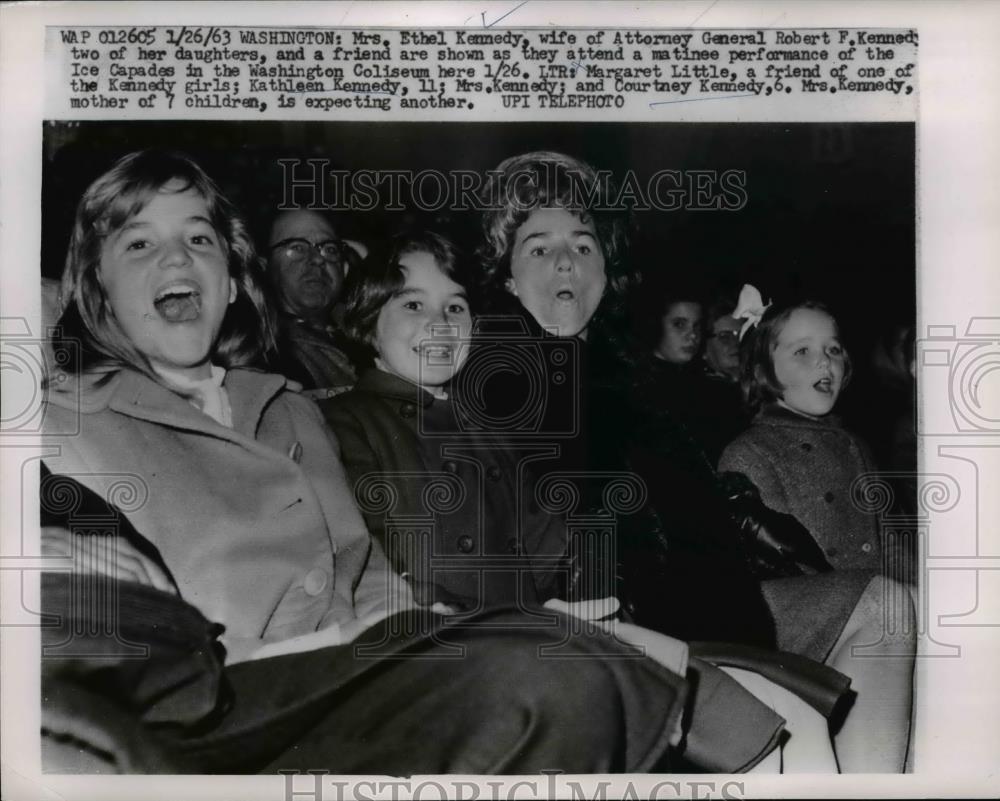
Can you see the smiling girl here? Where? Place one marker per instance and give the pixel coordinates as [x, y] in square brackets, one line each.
[160, 273]
[162, 289]
[402, 430]
[240, 505]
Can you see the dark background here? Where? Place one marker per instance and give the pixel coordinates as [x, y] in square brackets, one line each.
[830, 211]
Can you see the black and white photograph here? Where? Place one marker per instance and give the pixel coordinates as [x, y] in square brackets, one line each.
[613, 439]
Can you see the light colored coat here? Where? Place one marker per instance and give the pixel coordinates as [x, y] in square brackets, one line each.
[257, 523]
[805, 468]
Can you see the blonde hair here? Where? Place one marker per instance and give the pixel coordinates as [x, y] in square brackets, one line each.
[247, 333]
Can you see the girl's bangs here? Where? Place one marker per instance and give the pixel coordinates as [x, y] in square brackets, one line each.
[130, 199]
[121, 208]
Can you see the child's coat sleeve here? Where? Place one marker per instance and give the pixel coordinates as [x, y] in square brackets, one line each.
[742, 456]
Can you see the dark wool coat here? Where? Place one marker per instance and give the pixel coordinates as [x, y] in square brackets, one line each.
[418, 474]
[805, 468]
[677, 563]
[315, 358]
[707, 405]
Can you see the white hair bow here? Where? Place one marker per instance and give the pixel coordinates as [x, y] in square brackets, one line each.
[750, 305]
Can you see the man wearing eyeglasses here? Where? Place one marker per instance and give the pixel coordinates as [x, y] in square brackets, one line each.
[722, 341]
[307, 263]
[716, 410]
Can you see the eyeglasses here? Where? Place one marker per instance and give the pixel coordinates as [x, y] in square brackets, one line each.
[725, 336]
[298, 249]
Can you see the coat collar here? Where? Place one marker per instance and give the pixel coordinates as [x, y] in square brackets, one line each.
[774, 414]
[250, 392]
[386, 385]
[300, 328]
[135, 394]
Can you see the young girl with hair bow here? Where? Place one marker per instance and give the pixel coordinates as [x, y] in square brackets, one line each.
[804, 463]
[794, 369]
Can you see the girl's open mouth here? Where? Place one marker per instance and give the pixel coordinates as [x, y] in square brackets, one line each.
[824, 385]
[178, 302]
[565, 295]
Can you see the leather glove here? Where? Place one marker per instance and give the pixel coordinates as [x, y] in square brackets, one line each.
[776, 544]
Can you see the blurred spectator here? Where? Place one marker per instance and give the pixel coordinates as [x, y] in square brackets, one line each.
[722, 340]
[704, 400]
[307, 263]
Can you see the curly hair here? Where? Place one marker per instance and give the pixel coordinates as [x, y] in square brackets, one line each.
[247, 334]
[758, 380]
[544, 179]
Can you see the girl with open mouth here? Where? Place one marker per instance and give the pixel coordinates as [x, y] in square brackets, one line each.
[241, 515]
[796, 452]
[679, 566]
[794, 368]
[168, 283]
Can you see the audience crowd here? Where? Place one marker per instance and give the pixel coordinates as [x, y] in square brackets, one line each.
[373, 481]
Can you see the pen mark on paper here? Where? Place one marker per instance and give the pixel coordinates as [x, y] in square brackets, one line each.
[695, 99]
[703, 13]
[501, 17]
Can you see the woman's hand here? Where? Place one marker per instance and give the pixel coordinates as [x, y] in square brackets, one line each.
[105, 555]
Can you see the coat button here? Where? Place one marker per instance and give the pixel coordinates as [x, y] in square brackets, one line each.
[408, 410]
[867, 547]
[494, 473]
[828, 497]
[315, 582]
[831, 552]
[466, 544]
[806, 447]
[450, 467]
